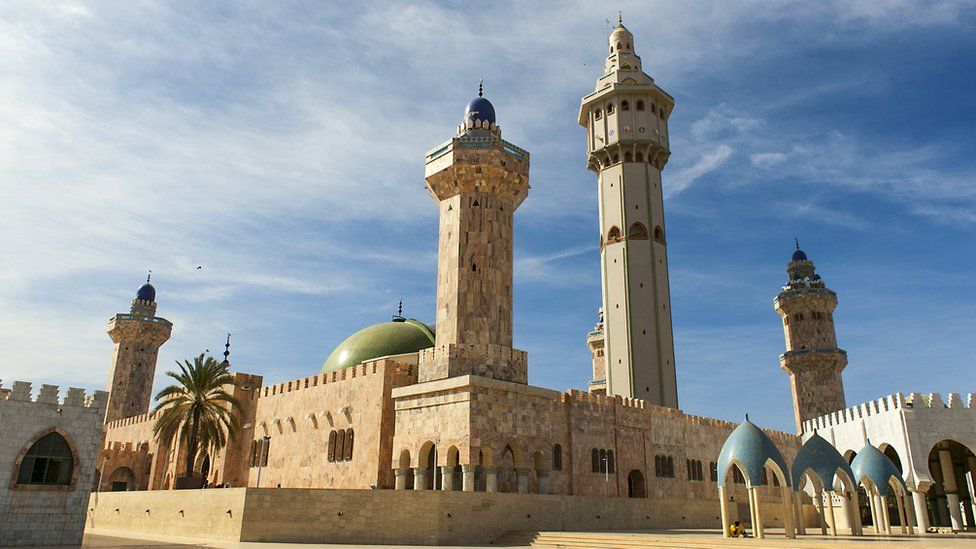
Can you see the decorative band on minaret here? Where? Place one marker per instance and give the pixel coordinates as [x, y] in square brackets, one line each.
[812, 358]
[626, 121]
[478, 181]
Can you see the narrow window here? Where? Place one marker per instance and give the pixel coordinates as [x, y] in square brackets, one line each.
[713, 471]
[340, 444]
[266, 451]
[659, 234]
[610, 108]
[624, 106]
[332, 446]
[557, 458]
[657, 466]
[613, 235]
[628, 157]
[640, 156]
[595, 454]
[640, 105]
[474, 267]
[598, 114]
[619, 47]
[348, 450]
[611, 465]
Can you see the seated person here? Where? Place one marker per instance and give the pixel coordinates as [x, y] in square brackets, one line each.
[737, 529]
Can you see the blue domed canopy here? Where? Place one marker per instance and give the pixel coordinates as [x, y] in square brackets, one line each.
[798, 255]
[480, 109]
[822, 459]
[146, 292]
[750, 448]
[871, 463]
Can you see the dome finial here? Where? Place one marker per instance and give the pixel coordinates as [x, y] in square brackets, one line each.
[796, 243]
[148, 276]
[481, 88]
[747, 416]
[400, 308]
[620, 17]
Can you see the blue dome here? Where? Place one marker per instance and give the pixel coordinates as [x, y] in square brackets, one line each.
[751, 449]
[146, 293]
[822, 459]
[871, 463]
[480, 109]
[798, 255]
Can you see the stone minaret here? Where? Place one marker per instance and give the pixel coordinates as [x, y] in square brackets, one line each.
[478, 180]
[812, 358]
[627, 146]
[137, 335]
[595, 341]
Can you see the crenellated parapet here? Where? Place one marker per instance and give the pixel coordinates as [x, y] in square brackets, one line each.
[918, 402]
[22, 391]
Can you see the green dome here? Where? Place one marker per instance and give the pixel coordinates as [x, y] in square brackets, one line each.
[384, 339]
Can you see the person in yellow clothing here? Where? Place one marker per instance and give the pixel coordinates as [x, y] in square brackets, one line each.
[737, 529]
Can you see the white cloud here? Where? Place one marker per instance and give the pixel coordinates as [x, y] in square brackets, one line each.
[708, 162]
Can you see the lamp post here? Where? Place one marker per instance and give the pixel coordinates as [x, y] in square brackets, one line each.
[264, 449]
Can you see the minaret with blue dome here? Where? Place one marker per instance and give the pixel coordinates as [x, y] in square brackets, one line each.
[137, 335]
[627, 146]
[478, 180]
[812, 358]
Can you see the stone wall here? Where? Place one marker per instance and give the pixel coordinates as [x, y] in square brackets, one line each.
[38, 514]
[383, 516]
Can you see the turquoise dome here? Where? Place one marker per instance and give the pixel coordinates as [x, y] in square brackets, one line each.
[750, 448]
[871, 463]
[823, 459]
[401, 336]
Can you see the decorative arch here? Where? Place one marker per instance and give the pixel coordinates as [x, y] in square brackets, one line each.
[29, 466]
[613, 235]
[637, 231]
[636, 487]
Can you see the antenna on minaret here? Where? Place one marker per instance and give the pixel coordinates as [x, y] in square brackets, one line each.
[481, 88]
[148, 276]
[400, 308]
[227, 349]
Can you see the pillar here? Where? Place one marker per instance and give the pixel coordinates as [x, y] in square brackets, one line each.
[845, 510]
[909, 519]
[952, 494]
[856, 514]
[901, 513]
[831, 519]
[543, 477]
[467, 477]
[724, 510]
[873, 504]
[821, 512]
[401, 478]
[921, 511]
[523, 480]
[491, 479]
[447, 478]
[419, 478]
[760, 530]
[883, 502]
[801, 527]
[788, 522]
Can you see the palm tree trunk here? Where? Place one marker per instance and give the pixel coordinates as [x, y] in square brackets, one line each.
[191, 447]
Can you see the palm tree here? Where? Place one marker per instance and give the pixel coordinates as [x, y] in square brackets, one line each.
[197, 407]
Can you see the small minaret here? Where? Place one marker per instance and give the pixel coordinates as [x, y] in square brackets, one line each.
[137, 335]
[626, 121]
[595, 341]
[478, 180]
[812, 358]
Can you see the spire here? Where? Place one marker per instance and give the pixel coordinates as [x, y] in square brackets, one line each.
[620, 18]
[227, 351]
[481, 88]
[399, 316]
[796, 243]
[148, 276]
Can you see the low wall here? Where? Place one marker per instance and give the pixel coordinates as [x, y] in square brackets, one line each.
[384, 516]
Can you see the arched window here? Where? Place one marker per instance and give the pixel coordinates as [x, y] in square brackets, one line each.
[624, 106]
[613, 235]
[713, 471]
[610, 108]
[637, 230]
[254, 453]
[640, 105]
[557, 458]
[611, 466]
[596, 460]
[616, 158]
[659, 234]
[628, 45]
[619, 46]
[348, 450]
[654, 108]
[640, 156]
[340, 444]
[48, 461]
[628, 157]
[265, 452]
[598, 114]
[332, 446]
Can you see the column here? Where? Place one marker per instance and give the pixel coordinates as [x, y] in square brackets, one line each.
[760, 530]
[543, 477]
[788, 522]
[401, 478]
[818, 501]
[724, 511]
[856, 513]
[447, 478]
[491, 479]
[845, 510]
[419, 478]
[467, 477]
[921, 510]
[523, 480]
[909, 519]
[801, 527]
[901, 513]
[952, 495]
[831, 519]
[883, 502]
[872, 503]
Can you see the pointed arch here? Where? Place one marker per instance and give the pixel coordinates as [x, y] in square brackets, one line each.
[659, 234]
[613, 235]
[638, 231]
[49, 458]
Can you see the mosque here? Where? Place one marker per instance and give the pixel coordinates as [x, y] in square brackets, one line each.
[403, 405]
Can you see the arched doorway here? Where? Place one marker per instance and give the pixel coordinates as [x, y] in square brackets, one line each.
[953, 469]
[122, 480]
[507, 476]
[635, 485]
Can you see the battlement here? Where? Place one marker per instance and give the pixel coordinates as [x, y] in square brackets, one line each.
[127, 447]
[75, 397]
[337, 376]
[896, 401]
[134, 420]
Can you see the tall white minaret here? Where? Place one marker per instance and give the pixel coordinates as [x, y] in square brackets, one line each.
[627, 146]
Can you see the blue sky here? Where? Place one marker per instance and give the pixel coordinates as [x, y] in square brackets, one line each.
[281, 147]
